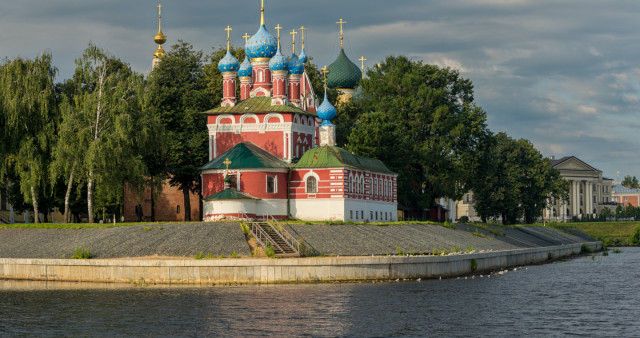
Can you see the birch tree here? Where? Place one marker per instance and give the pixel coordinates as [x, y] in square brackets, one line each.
[27, 121]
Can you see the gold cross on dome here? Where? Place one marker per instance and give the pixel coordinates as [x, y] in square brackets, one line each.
[302, 29]
[228, 29]
[293, 36]
[341, 22]
[227, 162]
[325, 71]
[246, 37]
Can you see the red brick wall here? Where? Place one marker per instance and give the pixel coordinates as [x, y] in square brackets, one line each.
[166, 205]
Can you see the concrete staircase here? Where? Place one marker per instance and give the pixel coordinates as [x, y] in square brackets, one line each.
[276, 237]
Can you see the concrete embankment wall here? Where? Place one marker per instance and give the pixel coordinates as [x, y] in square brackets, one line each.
[220, 271]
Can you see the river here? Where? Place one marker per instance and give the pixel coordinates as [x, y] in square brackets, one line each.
[589, 296]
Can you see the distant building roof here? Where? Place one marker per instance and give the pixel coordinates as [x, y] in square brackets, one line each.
[334, 157]
[258, 105]
[620, 189]
[246, 155]
[230, 194]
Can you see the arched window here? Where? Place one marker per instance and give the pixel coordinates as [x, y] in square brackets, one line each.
[312, 185]
[390, 189]
[362, 185]
[386, 193]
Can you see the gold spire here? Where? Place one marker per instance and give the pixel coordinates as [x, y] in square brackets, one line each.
[246, 37]
[325, 71]
[228, 29]
[302, 28]
[278, 28]
[293, 35]
[341, 35]
[160, 38]
[262, 14]
[362, 59]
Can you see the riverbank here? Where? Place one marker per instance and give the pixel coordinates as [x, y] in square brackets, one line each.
[285, 270]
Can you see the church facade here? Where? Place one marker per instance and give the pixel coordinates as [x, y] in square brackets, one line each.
[272, 151]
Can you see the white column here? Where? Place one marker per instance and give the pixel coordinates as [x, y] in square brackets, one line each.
[215, 146]
[12, 217]
[588, 198]
[572, 200]
[210, 148]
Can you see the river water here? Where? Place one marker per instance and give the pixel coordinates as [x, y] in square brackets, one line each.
[585, 296]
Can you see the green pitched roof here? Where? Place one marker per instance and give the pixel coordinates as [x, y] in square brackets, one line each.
[257, 105]
[230, 194]
[246, 155]
[343, 73]
[333, 157]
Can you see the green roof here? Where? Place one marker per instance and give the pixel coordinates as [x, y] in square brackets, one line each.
[343, 73]
[334, 157]
[257, 105]
[230, 194]
[246, 155]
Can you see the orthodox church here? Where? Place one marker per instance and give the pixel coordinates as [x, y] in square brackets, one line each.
[272, 151]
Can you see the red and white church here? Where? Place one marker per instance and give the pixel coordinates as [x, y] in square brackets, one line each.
[272, 152]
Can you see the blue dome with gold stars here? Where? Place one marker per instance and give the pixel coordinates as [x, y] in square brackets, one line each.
[303, 57]
[246, 70]
[228, 63]
[262, 44]
[278, 62]
[296, 67]
[326, 111]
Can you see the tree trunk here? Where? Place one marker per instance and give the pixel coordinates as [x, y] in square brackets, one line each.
[90, 196]
[187, 204]
[34, 199]
[67, 196]
[153, 209]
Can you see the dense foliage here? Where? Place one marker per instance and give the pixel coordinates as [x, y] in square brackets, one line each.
[75, 144]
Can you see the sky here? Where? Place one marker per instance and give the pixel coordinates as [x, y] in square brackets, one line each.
[563, 74]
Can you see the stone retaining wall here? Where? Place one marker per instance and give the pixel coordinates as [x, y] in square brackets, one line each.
[285, 270]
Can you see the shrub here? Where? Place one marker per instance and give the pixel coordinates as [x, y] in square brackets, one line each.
[199, 255]
[470, 248]
[635, 237]
[81, 253]
[474, 265]
[464, 219]
[449, 225]
[585, 248]
[269, 250]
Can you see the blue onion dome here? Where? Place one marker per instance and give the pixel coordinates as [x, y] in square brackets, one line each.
[279, 62]
[228, 63]
[303, 57]
[343, 73]
[246, 70]
[296, 67]
[326, 111]
[262, 44]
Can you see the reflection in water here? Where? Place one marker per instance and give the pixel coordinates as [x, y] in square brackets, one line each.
[581, 296]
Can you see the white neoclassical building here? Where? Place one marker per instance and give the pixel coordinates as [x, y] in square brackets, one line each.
[589, 191]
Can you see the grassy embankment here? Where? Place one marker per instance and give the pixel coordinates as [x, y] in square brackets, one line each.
[610, 233]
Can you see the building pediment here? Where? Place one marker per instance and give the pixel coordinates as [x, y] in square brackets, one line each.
[573, 163]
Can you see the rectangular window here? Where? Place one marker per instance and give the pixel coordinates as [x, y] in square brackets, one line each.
[271, 184]
[376, 215]
[626, 199]
[371, 215]
[350, 214]
[362, 214]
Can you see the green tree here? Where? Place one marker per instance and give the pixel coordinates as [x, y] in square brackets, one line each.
[103, 129]
[28, 113]
[177, 93]
[630, 182]
[435, 124]
[513, 180]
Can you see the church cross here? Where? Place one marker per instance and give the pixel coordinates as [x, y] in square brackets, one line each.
[325, 71]
[302, 29]
[246, 37]
[228, 29]
[278, 28]
[293, 35]
[341, 23]
[362, 59]
[227, 162]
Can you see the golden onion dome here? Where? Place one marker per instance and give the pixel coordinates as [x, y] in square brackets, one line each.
[159, 52]
[160, 38]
